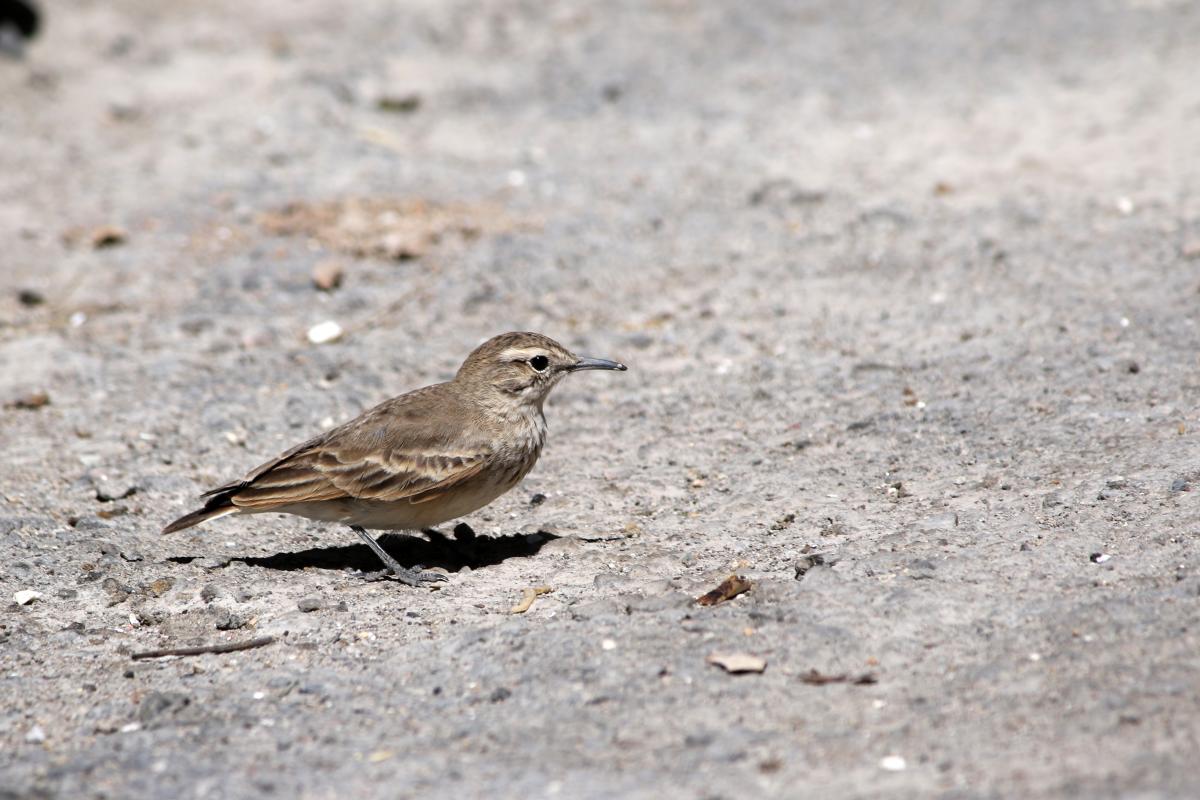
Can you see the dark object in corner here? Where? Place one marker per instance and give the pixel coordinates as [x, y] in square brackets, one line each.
[19, 22]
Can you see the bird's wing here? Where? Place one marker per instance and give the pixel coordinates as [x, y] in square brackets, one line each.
[262, 469]
[330, 473]
[393, 452]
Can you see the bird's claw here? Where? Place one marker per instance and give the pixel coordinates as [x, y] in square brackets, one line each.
[417, 576]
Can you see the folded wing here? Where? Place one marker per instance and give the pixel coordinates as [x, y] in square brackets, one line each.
[390, 453]
[329, 472]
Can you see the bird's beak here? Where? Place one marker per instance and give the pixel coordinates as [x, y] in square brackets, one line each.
[596, 363]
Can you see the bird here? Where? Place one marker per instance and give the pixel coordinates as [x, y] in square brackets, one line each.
[420, 459]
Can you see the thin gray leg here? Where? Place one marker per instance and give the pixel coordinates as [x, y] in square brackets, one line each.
[410, 577]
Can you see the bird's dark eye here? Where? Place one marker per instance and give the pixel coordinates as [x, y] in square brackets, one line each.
[539, 363]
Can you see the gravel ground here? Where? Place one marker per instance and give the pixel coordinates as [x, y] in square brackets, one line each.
[908, 294]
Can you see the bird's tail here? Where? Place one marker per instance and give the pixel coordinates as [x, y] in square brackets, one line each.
[210, 511]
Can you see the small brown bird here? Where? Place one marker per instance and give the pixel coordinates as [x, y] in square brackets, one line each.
[419, 459]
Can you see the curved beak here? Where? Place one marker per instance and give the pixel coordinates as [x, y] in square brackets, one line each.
[596, 363]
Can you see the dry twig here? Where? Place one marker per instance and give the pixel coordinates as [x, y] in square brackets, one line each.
[230, 647]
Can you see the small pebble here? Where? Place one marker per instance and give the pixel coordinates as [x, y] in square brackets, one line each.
[108, 236]
[29, 402]
[327, 276]
[1129, 365]
[35, 735]
[124, 109]
[806, 563]
[160, 587]
[26, 596]
[30, 297]
[893, 763]
[309, 604]
[404, 103]
[325, 332]
[227, 621]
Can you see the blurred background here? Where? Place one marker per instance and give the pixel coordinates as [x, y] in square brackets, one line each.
[909, 284]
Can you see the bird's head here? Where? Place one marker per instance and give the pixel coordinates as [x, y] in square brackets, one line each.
[521, 368]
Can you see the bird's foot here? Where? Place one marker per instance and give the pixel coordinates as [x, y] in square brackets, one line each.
[417, 576]
[409, 577]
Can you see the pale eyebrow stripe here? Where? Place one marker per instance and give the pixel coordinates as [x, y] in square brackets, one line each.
[520, 353]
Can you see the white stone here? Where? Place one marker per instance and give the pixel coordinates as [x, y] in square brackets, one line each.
[325, 332]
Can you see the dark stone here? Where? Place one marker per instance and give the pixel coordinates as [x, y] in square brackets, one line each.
[155, 706]
[227, 621]
[30, 297]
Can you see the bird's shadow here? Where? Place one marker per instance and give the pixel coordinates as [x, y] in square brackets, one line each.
[464, 550]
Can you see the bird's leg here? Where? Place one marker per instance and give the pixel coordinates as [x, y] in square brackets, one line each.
[411, 577]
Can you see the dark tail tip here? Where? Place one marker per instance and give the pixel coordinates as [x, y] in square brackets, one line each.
[195, 518]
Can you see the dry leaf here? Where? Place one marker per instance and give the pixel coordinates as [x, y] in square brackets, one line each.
[527, 598]
[738, 663]
[730, 588]
[816, 678]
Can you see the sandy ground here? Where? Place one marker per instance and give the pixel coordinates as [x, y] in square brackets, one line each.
[908, 294]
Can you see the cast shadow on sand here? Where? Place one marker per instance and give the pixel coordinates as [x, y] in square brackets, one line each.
[464, 550]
